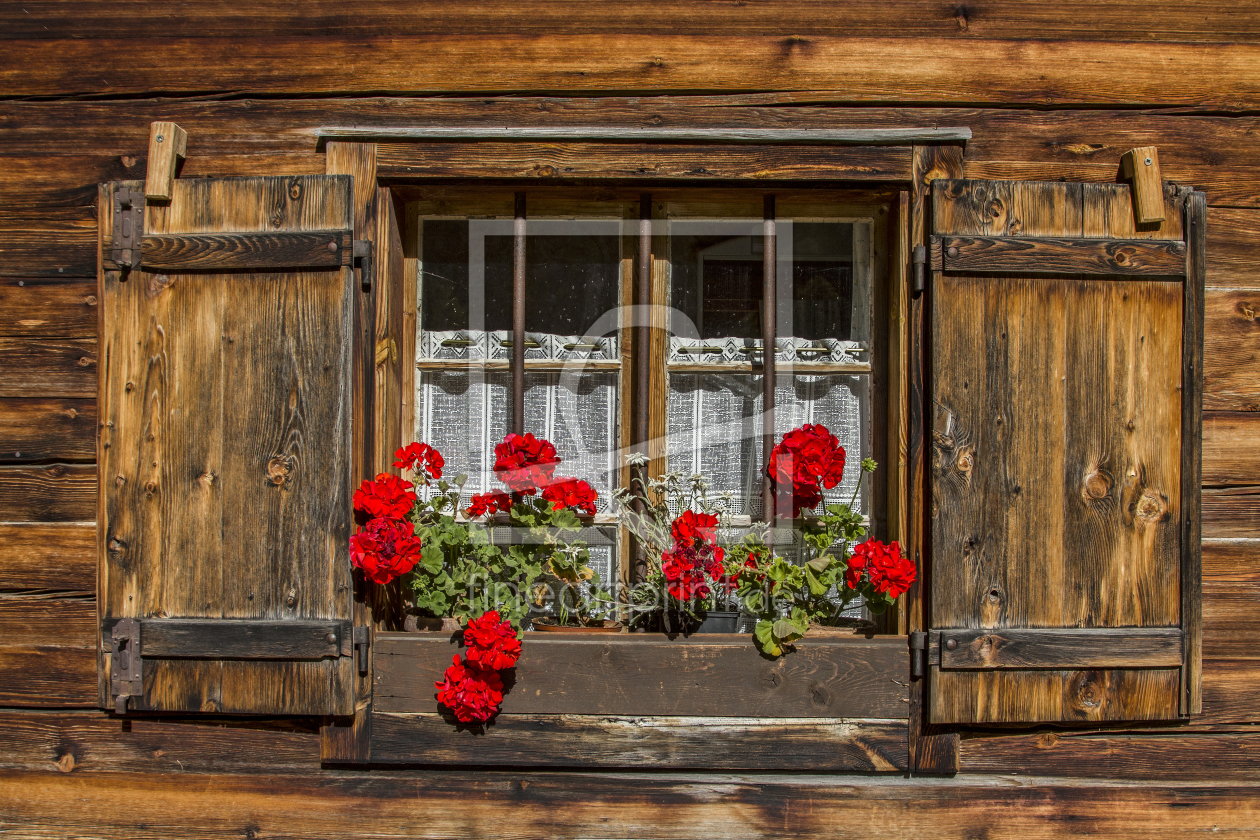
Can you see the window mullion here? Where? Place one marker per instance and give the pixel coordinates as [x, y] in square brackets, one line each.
[518, 316]
[767, 351]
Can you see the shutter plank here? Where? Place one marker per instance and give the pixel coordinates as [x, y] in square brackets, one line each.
[1044, 255]
[1055, 648]
[225, 251]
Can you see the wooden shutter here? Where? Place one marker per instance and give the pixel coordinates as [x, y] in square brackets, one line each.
[1064, 556]
[225, 447]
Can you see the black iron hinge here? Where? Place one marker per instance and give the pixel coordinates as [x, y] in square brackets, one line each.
[128, 228]
[918, 654]
[362, 639]
[126, 674]
[918, 279]
[362, 253]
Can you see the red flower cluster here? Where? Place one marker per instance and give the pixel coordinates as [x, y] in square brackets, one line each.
[473, 689]
[473, 694]
[806, 460]
[695, 558]
[884, 566]
[525, 463]
[495, 501]
[385, 496]
[571, 492]
[421, 459]
[492, 643]
[385, 548]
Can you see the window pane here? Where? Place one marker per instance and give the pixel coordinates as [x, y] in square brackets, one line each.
[715, 427]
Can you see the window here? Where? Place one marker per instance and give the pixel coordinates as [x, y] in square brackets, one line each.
[703, 365]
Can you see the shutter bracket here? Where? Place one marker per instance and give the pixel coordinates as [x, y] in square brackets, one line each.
[362, 639]
[126, 674]
[918, 279]
[362, 253]
[128, 228]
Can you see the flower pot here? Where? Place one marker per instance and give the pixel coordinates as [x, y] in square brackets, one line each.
[543, 625]
[716, 621]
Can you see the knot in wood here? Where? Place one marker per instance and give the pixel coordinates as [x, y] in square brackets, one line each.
[965, 461]
[158, 283]
[1096, 486]
[290, 598]
[295, 189]
[545, 171]
[819, 695]
[279, 470]
[1088, 693]
[1152, 506]
[771, 678]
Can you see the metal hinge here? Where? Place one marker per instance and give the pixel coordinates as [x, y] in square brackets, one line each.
[128, 228]
[918, 654]
[361, 251]
[126, 674]
[918, 278]
[362, 639]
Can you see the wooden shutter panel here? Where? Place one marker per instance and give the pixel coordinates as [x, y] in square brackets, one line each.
[225, 447]
[1064, 557]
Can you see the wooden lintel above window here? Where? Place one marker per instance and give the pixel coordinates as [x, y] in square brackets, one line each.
[652, 134]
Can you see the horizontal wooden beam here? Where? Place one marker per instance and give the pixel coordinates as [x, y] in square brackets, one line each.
[641, 674]
[652, 134]
[230, 251]
[1130, 647]
[675, 743]
[173, 638]
[1043, 255]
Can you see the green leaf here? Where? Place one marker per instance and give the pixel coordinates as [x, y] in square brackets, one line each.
[820, 562]
[764, 634]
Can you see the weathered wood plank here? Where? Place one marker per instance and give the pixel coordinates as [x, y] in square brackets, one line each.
[37, 247]
[34, 620]
[41, 555]
[88, 742]
[1171, 756]
[1063, 256]
[638, 676]
[676, 743]
[1231, 512]
[1233, 235]
[1231, 619]
[48, 676]
[1229, 691]
[1228, 454]
[54, 493]
[1192, 323]
[872, 69]
[636, 161]
[1231, 560]
[47, 429]
[449, 803]
[1231, 352]
[45, 308]
[48, 367]
[227, 251]
[1162, 21]
[1056, 648]
[1079, 697]
[173, 638]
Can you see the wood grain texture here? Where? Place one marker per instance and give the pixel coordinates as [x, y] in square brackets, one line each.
[452, 803]
[1010, 649]
[674, 743]
[1161, 21]
[1046, 255]
[48, 367]
[168, 638]
[50, 493]
[1231, 560]
[636, 161]
[48, 676]
[648, 676]
[1170, 756]
[47, 430]
[241, 510]
[1232, 238]
[1229, 691]
[41, 555]
[1230, 619]
[1056, 455]
[873, 69]
[93, 742]
[1231, 352]
[1231, 512]
[1192, 321]
[35, 620]
[46, 308]
[228, 251]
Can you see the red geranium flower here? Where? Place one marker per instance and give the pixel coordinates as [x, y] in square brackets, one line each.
[493, 502]
[385, 496]
[806, 460]
[492, 643]
[385, 549]
[420, 458]
[884, 566]
[684, 581]
[525, 463]
[571, 492]
[473, 694]
[693, 527]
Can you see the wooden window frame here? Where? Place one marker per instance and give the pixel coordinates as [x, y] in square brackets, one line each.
[747, 733]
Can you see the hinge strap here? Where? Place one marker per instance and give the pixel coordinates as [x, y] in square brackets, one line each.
[918, 279]
[918, 654]
[362, 640]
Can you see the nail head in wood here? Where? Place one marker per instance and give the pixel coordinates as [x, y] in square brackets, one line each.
[1145, 183]
[168, 144]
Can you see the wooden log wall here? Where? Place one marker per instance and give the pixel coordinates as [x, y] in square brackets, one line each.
[1049, 90]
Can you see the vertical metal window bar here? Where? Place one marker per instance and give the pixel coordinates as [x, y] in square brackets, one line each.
[642, 372]
[518, 316]
[767, 356]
